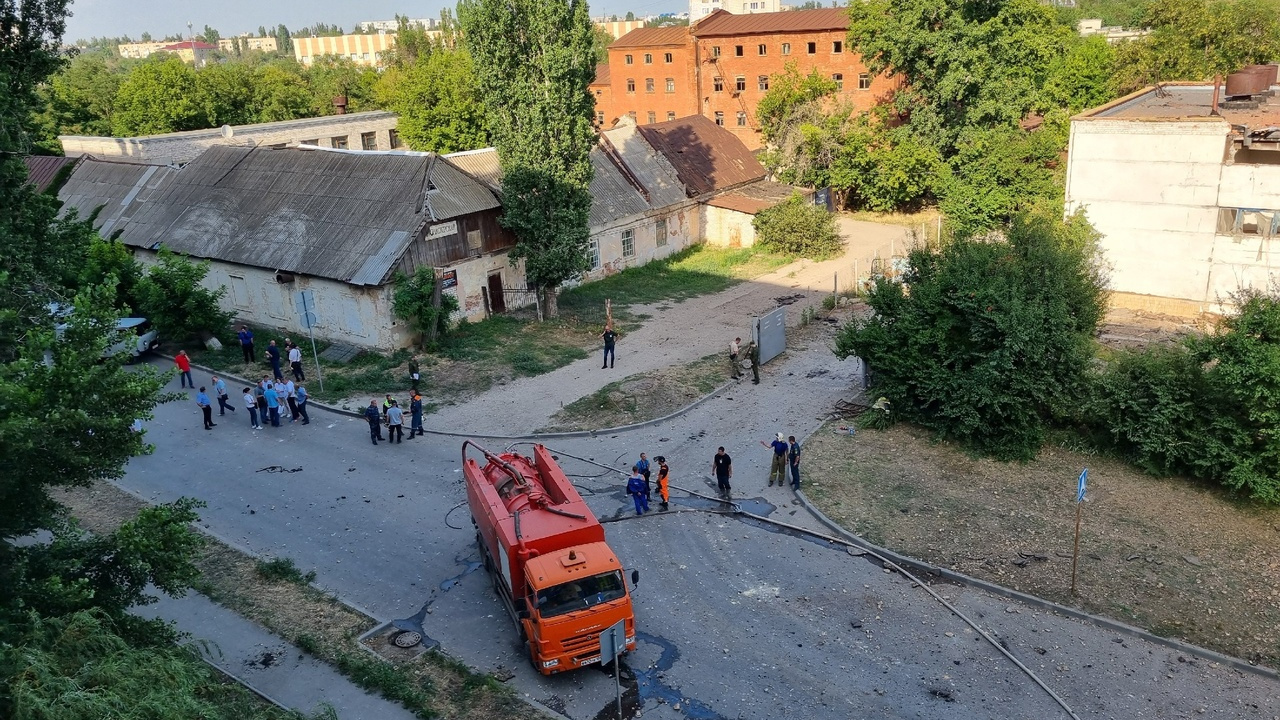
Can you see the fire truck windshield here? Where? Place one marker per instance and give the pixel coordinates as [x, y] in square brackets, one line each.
[580, 594]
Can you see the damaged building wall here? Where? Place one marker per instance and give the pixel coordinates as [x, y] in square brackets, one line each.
[640, 239]
[727, 228]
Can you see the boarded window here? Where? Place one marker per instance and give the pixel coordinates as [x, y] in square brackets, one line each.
[339, 142]
[660, 227]
[475, 242]
[394, 137]
[369, 141]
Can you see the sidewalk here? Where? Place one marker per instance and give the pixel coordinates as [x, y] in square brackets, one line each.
[267, 664]
[675, 334]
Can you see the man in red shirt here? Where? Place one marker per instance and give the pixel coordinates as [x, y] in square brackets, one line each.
[184, 368]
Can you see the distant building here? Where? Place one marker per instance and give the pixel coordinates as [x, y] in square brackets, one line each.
[373, 130]
[721, 68]
[359, 49]
[248, 43]
[390, 26]
[196, 52]
[1094, 26]
[618, 28]
[140, 50]
[1185, 191]
[699, 9]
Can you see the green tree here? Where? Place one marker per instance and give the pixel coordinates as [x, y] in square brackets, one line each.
[109, 262]
[437, 101]
[962, 64]
[210, 35]
[1081, 78]
[82, 95]
[284, 41]
[329, 77]
[172, 296]
[534, 61]
[601, 40]
[280, 92]
[797, 227]
[415, 300]
[987, 341]
[30, 35]
[788, 93]
[159, 96]
[884, 168]
[226, 92]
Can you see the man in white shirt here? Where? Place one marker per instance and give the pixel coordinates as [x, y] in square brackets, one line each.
[251, 402]
[295, 362]
[290, 392]
[734, 347]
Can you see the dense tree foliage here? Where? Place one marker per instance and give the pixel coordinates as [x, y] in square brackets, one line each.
[797, 227]
[986, 341]
[415, 301]
[438, 102]
[172, 296]
[534, 60]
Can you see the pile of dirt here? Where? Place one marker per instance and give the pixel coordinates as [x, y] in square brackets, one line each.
[643, 396]
[1174, 556]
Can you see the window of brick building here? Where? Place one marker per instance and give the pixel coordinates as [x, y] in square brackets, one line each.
[368, 141]
[737, 50]
[594, 249]
[631, 85]
[671, 115]
[720, 119]
[715, 51]
[648, 85]
[648, 58]
[339, 142]
[740, 83]
[763, 82]
[839, 79]
[837, 46]
[762, 49]
[717, 84]
[653, 117]
[629, 60]
[671, 85]
[813, 48]
[864, 81]
[786, 48]
[314, 142]
[628, 243]
[667, 58]
[742, 118]
[600, 117]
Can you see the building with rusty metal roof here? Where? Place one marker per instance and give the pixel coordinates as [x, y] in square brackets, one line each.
[706, 157]
[46, 171]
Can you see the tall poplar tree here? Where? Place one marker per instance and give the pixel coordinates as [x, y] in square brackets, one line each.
[533, 61]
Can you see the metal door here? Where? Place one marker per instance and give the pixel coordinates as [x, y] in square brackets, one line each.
[770, 334]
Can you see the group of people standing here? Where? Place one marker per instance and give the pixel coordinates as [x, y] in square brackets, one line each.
[392, 415]
[786, 456]
[263, 401]
[274, 356]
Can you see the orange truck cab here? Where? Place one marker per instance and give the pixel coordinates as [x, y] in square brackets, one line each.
[547, 554]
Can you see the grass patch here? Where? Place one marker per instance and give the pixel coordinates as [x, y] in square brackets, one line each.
[430, 685]
[1178, 558]
[643, 396]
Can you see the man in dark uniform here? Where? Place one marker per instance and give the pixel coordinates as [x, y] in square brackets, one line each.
[722, 468]
[753, 352]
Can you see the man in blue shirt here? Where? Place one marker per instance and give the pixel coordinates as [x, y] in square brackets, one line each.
[302, 405]
[224, 400]
[273, 404]
[375, 421]
[643, 467]
[793, 461]
[635, 488]
[246, 343]
[779, 467]
[206, 408]
[273, 355]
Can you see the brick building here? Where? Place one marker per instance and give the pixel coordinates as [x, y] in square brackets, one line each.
[652, 77]
[721, 68]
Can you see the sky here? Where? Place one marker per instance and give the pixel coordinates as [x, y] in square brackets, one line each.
[113, 18]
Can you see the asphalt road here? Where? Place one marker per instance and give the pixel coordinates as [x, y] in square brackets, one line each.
[736, 620]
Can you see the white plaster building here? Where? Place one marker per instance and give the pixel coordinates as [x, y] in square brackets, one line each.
[699, 9]
[1187, 201]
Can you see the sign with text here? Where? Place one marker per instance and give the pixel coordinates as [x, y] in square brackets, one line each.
[440, 230]
[448, 279]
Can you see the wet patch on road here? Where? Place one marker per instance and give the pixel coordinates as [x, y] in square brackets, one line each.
[650, 683]
[414, 623]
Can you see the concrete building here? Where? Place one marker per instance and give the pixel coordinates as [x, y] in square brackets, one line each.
[373, 130]
[1093, 26]
[618, 28]
[721, 68]
[140, 50]
[248, 43]
[359, 49]
[257, 216]
[699, 9]
[196, 52]
[1185, 191]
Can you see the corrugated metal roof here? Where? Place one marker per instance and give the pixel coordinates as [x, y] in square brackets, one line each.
[653, 37]
[42, 170]
[612, 197]
[347, 216]
[757, 196]
[602, 74]
[722, 23]
[706, 156]
[121, 189]
[647, 165]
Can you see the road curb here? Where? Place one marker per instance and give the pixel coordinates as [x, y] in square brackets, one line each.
[1036, 602]
[532, 436]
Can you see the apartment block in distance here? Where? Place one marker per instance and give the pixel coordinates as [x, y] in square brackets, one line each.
[359, 49]
[1183, 183]
[722, 66]
[699, 9]
[248, 43]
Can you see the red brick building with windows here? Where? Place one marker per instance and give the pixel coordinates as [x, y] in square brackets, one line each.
[651, 77]
[721, 68]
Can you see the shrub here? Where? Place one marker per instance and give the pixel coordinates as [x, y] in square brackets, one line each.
[283, 570]
[416, 302]
[993, 338]
[797, 227]
[170, 294]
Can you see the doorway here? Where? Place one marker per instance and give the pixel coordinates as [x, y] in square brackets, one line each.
[497, 301]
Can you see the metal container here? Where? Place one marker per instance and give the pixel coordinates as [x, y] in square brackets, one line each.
[1245, 84]
[1267, 71]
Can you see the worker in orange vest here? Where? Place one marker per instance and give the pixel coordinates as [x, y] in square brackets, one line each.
[664, 490]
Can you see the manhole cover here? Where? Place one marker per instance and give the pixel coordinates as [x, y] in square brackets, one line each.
[406, 639]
